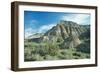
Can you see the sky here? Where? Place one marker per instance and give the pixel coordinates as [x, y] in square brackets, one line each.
[40, 22]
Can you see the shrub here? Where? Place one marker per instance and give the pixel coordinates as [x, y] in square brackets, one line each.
[37, 57]
[76, 54]
[53, 49]
[84, 47]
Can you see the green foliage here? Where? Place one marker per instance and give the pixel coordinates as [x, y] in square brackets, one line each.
[52, 48]
[84, 47]
[49, 57]
[33, 57]
[51, 51]
[37, 57]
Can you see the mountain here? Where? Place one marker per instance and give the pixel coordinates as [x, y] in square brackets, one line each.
[36, 35]
[67, 34]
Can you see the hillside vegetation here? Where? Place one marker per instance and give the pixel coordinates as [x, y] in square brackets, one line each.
[66, 40]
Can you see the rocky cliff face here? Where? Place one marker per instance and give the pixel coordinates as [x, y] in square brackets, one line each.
[67, 33]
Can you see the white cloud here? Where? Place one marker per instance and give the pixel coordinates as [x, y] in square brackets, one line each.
[46, 27]
[78, 18]
[29, 32]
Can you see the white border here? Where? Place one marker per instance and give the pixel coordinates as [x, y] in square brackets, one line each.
[23, 64]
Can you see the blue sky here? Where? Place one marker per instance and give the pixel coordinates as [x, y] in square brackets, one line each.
[40, 22]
